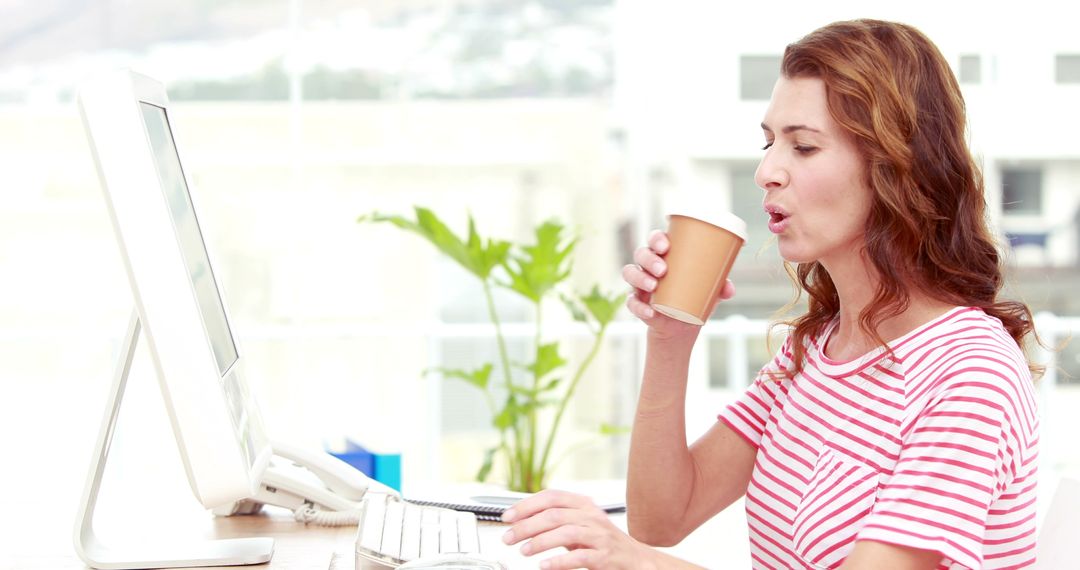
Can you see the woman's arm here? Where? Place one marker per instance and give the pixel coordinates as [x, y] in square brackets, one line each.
[672, 489]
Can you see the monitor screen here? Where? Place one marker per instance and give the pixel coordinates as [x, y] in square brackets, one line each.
[191, 239]
[179, 307]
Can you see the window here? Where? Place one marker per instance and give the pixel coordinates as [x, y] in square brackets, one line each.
[746, 203]
[757, 74]
[1021, 191]
[970, 69]
[1067, 68]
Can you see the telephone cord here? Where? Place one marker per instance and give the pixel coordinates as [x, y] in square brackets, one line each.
[308, 514]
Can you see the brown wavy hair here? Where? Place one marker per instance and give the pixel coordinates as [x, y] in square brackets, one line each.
[892, 91]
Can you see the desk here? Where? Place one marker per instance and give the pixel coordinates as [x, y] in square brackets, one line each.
[34, 538]
[296, 547]
[44, 542]
[145, 497]
[145, 494]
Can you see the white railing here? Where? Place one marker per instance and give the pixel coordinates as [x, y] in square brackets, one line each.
[737, 332]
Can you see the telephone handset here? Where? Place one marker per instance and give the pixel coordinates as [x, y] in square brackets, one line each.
[319, 488]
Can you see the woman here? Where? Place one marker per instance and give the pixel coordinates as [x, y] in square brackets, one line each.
[896, 426]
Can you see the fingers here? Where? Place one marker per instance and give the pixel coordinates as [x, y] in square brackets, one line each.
[545, 512]
[580, 558]
[650, 261]
[644, 273]
[643, 277]
[728, 291]
[658, 241]
[544, 500]
[557, 519]
[569, 536]
[638, 278]
[551, 520]
[639, 308]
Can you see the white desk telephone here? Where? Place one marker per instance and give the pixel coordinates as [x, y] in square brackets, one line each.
[319, 488]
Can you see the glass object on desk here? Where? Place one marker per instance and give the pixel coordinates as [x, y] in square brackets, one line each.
[454, 562]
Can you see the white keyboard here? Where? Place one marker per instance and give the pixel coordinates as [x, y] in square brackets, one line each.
[393, 532]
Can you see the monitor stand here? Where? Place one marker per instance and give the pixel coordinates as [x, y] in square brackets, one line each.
[169, 553]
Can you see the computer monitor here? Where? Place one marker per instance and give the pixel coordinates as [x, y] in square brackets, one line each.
[179, 310]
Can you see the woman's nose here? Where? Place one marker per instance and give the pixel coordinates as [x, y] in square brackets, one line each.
[770, 174]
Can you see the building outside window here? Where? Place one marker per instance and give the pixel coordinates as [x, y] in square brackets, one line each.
[1022, 209]
[970, 69]
[757, 74]
[1067, 68]
[1021, 191]
[746, 200]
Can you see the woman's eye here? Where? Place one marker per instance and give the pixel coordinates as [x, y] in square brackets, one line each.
[767, 145]
[805, 149]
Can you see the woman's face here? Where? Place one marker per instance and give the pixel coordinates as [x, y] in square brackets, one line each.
[813, 177]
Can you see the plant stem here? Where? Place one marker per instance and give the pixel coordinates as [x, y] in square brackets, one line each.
[502, 435]
[530, 482]
[566, 398]
[505, 357]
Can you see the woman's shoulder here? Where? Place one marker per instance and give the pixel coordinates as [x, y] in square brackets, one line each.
[970, 353]
[962, 333]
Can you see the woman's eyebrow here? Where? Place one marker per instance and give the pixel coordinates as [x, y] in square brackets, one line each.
[791, 128]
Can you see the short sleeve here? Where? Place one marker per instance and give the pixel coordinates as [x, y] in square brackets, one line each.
[749, 414]
[957, 456]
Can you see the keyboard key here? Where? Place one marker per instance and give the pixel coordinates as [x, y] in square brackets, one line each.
[371, 523]
[448, 540]
[429, 532]
[468, 535]
[410, 533]
[393, 532]
[392, 529]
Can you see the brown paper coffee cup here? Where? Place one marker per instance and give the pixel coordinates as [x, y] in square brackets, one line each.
[698, 262]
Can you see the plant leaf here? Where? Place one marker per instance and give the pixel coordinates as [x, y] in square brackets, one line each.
[551, 385]
[528, 393]
[508, 416]
[547, 360]
[479, 377]
[536, 269]
[610, 429]
[489, 461]
[603, 308]
[574, 308]
[476, 257]
[531, 394]
[535, 404]
[486, 257]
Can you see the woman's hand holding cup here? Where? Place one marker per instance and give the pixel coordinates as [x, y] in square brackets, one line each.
[682, 274]
[644, 276]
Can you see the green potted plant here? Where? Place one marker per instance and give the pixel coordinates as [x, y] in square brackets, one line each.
[516, 393]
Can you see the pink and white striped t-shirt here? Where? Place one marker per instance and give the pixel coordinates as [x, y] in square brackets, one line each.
[932, 448]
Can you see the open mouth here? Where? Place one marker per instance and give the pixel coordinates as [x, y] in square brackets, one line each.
[776, 215]
[777, 219]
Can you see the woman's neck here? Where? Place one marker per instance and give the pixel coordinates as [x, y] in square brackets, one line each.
[856, 282]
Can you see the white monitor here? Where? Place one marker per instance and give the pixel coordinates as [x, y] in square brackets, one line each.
[217, 425]
[179, 308]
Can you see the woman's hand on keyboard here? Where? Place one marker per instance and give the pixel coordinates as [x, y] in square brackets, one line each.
[551, 519]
